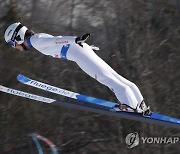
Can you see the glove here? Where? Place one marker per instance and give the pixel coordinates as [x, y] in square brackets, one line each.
[82, 39]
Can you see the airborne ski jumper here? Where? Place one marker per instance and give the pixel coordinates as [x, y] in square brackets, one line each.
[75, 49]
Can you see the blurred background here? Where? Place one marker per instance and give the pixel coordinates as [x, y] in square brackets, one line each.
[137, 38]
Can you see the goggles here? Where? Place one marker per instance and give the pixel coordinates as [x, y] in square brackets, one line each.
[12, 43]
[14, 37]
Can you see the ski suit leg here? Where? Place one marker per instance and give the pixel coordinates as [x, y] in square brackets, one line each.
[94, 66]
[133, 86]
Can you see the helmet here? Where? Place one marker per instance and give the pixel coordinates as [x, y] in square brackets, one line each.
[15, 33]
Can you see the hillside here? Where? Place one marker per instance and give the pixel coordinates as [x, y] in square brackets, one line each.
[139, 39]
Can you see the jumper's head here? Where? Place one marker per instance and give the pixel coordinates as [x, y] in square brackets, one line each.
[15, 33]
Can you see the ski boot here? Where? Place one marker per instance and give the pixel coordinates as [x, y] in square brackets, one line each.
[144, 109]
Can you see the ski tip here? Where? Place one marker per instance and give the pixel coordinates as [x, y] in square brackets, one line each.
[22, 78]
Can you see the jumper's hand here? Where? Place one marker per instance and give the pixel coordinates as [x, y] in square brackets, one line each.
[82, 39]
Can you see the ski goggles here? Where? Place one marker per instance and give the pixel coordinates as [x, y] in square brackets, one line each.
[14, 37]
[12, 43]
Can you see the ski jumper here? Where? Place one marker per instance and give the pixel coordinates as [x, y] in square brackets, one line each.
[66, 48]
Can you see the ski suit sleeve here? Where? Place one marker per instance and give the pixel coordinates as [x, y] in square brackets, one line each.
[49, 40]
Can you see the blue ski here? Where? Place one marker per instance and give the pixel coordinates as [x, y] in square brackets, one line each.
[99, 105]
[40, 85]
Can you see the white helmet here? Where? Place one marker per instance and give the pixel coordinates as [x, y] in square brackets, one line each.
[15, 33]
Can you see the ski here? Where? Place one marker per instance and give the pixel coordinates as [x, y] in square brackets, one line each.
[155, 118]
[40, 85]
[99, 105]
[41, 98]
[26, 95]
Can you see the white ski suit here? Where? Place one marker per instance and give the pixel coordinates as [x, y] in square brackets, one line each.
[66, 48]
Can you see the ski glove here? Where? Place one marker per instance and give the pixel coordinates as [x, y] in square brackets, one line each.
[82, 39]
